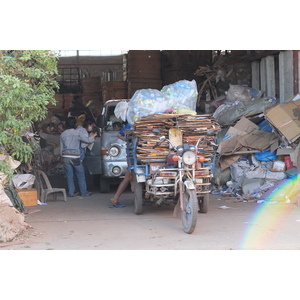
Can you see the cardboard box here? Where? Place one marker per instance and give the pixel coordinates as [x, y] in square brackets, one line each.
[28, 196]
[278, 166]
[286, 118]
[285, 151]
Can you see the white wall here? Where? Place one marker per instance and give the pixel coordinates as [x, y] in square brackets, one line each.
[263, 75]
[286, 75]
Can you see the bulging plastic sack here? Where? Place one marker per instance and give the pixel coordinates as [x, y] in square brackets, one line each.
[241, 93]
[121, 110]
[145, 102]
[266, 175]
[23, 181]
[182, 93]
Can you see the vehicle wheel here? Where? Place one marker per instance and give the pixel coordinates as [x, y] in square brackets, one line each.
[203, 203]
[190, 212]
[138, 195]
[96, 179]
[104, 185]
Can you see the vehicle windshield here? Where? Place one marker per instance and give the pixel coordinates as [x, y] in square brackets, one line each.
[113, 123]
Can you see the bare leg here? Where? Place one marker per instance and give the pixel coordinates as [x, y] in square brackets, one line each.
[121, 188]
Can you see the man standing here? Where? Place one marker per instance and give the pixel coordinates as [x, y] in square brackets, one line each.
[70, 141]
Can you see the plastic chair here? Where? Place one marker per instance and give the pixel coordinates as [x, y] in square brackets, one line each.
[44, 187]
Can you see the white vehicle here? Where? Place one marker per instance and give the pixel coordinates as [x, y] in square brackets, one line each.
[107, 158]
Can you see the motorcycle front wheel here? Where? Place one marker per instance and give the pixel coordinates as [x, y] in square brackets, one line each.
[190, 210]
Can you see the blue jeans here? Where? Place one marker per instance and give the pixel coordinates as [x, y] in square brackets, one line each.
[82, 154]
[72, 166]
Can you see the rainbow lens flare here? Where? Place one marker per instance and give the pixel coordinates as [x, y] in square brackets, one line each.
[267, 219]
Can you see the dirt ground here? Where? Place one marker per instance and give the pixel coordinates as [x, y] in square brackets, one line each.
[89, 224]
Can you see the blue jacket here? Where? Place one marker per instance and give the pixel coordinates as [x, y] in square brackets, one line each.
[127, 126]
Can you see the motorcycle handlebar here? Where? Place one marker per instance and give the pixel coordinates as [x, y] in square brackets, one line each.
[156, 145]
[208, 142]
[163, 139]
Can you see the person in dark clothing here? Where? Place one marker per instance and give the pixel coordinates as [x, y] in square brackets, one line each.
[77, 108]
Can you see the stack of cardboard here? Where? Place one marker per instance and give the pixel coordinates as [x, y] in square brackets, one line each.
[114, 90]
[91, 89]
[143, 70]
[147, 139]
[285, 117]
[285, 120]
[244, 138]
[191, 128]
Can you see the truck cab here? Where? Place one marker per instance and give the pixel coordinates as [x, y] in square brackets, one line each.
[107, 158]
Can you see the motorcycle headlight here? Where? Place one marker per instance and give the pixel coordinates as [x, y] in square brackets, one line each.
[114, 151]
[189, 157]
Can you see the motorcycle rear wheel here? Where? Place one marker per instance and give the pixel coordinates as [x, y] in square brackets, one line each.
[204, 203]
[190, 212]
[138, 196]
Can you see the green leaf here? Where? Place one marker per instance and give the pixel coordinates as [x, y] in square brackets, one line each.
[27, 85]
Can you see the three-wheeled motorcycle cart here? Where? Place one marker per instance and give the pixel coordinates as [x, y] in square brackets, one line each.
[171, 160]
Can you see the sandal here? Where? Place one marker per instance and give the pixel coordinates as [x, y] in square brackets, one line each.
[117, 205]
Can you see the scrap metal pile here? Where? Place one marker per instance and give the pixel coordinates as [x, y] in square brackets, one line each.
[191, 127]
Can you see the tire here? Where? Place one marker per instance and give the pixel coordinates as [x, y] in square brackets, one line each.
[138, 195]
[104, 185]
[189, 215]
[96, 179]
[204, 203]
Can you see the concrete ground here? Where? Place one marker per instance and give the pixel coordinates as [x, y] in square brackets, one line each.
[89, 224]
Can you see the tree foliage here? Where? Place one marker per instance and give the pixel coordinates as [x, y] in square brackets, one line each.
[27, 85]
